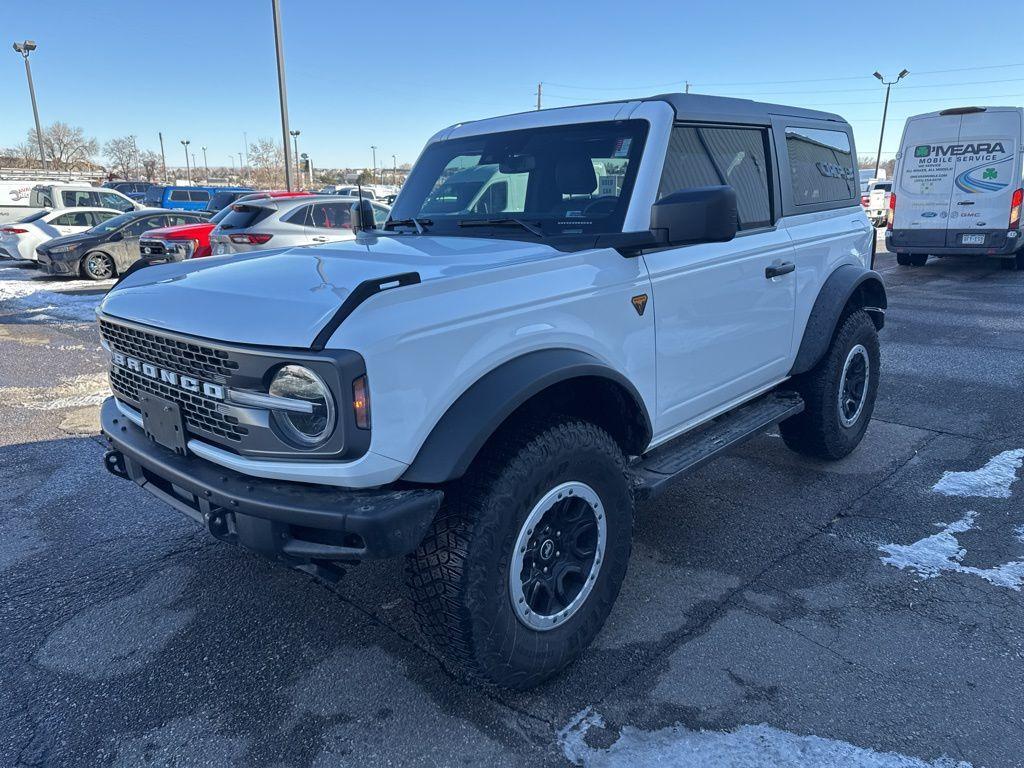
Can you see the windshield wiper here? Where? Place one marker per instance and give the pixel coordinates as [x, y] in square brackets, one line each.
[420, 224]
[501, 223]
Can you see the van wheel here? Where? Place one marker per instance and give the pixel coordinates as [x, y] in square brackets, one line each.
[97, 266]
[903, 259]
[527, 554]
[839, 393]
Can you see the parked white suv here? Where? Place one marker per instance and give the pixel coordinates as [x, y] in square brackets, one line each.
[489, 393]
[279, 222]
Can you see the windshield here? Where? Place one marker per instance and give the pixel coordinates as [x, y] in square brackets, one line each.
[115, 223]
[561, 180]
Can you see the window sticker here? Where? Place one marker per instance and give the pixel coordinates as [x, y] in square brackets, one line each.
[622, 147]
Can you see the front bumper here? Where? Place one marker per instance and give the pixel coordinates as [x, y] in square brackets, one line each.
[60, 267]
[941, 242]
[295, 523]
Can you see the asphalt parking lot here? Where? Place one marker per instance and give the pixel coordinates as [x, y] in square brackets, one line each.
[778, 610]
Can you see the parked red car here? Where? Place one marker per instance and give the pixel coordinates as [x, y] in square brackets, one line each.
[192, 241]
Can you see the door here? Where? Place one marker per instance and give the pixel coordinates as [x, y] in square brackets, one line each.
[330, 222]
[985, 176]
[126, 250]
[72, 222]
[723, 311]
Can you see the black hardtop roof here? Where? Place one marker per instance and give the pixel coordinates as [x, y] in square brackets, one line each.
[699, 106]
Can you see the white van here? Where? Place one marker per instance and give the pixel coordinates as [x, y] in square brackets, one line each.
[957, 186]
[16, 203]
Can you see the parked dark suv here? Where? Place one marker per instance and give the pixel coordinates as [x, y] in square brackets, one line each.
[109, 248]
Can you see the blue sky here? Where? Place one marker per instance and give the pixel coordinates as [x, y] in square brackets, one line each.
[400, 71]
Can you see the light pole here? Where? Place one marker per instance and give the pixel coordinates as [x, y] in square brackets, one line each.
[394, 170]
[188, 170]
[241, 170]
[206, 165]
[885, 111]
[25, 49]
[135, 151]
[295, 142]
[374, 174]
[283, 93]
[163, 157]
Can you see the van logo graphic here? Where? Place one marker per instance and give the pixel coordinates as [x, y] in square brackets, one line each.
[982, 178]
[990, 173]
[922, 151]
[640, 303]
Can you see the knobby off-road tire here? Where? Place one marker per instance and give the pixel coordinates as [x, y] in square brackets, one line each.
[836, 412]
[463, 577]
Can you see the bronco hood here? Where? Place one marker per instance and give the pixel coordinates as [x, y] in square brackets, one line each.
[283, 298]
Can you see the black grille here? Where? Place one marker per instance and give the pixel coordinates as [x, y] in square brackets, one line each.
[195, 360]
[152, 247]
[200, 413]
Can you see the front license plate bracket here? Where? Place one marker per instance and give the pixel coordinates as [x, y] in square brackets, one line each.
[162, 422]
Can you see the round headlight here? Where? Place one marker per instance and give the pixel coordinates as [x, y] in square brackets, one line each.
[298, 383]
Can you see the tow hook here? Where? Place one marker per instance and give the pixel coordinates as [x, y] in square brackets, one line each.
[114, 462]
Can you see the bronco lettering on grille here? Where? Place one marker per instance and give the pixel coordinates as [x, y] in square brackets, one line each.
[187, 383]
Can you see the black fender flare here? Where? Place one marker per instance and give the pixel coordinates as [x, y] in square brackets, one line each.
[845, 283]
[470, 421]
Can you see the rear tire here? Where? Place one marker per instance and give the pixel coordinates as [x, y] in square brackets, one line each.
[903, 259]
[839, 393]
[97, 266]
[538, 496]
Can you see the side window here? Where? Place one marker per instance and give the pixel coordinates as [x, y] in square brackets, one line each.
[76, 219]
[63, 221]
[300, 217]
[822, 167]
[380, 214]
[332, 216]
[179, 195]
[175, 221]
[136, 228]
[199, 196]
[79, 199]
[100, 216]
[701, 156]
[110, 200]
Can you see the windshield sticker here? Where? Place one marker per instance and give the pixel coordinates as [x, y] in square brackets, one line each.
[622, 147]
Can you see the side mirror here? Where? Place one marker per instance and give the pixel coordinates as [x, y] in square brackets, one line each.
[700, 215]
[116, 236]
[362, 216]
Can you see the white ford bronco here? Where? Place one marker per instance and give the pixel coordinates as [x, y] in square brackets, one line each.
[489, 383]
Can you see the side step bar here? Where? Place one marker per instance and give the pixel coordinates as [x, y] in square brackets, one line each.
[652, 472]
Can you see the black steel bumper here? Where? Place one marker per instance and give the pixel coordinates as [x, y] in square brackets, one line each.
[941, 242]
[296, 523]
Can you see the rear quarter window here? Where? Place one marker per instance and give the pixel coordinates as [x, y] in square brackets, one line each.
[821, 166]
[243, 216]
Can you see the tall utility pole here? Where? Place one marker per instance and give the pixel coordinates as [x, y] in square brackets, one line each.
[25, 49]
[135, 151]
[687, 86]
[163, 157]
[283, 93]
[188, 170]
[374, 148]
[206, 165]
[394, 170]
[295, 144]
[241, 170]
[540, 89]
[885, 111]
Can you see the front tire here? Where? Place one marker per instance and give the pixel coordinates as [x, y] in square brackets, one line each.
[98, 266]
[839, 393]
[527, 555]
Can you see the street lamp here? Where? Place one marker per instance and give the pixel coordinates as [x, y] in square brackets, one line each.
[206, 165]
[374, 174]
[242, 170]
[25, 49]
[295, 142]
[885, 111]
[394, 170]
[282, 93]
[188, 170]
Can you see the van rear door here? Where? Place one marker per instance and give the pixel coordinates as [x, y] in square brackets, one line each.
[924, 188]
[985, 177]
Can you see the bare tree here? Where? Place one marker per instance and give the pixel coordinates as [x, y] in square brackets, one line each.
[151, 164]
[24, 155]
[120, 154]
[266, 161]
[67, 147]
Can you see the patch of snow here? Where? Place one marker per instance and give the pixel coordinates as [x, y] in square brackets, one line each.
[748, 746]
[43, 299]
[75, 392]
[991, 481]
[930, 556]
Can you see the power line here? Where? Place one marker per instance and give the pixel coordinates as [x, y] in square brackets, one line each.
[872, 90]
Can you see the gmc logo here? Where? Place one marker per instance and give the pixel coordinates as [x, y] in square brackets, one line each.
[180, 381]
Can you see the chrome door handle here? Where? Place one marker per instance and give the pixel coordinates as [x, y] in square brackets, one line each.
[779, 269]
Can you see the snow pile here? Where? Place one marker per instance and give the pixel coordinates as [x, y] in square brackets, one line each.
[26, 291]
[75, 392]
[749, 746]
[992, 481]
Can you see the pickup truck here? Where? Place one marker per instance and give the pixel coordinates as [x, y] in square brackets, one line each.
[487, 386]
[57, 195]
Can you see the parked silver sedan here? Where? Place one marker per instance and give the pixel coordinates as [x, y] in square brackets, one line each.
[287, 222]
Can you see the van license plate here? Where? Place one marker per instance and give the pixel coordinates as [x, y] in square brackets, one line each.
[973, 240]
